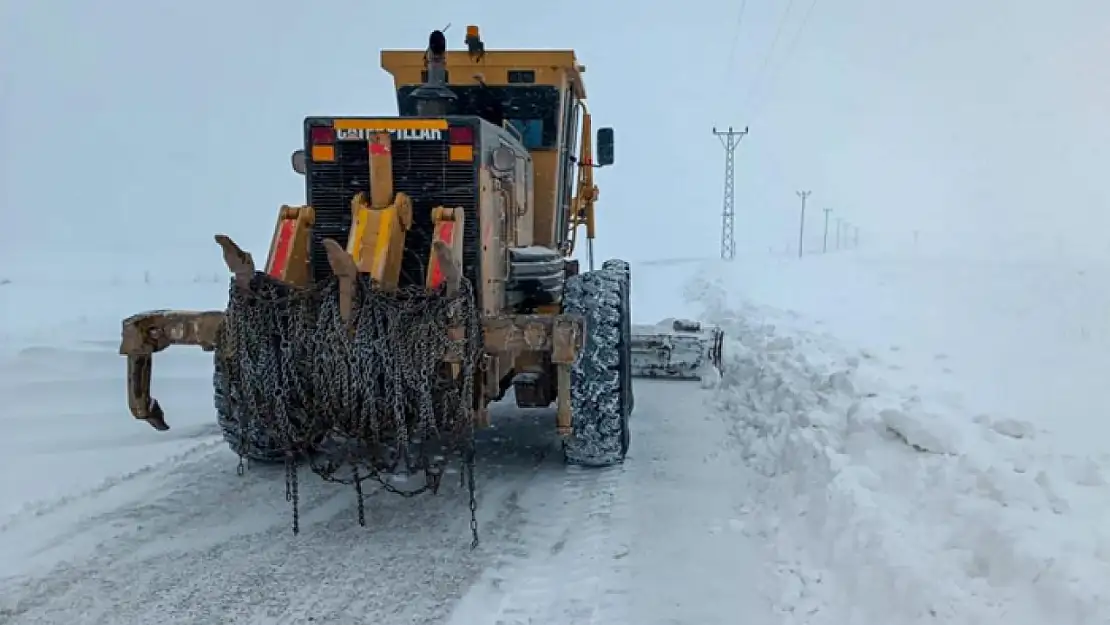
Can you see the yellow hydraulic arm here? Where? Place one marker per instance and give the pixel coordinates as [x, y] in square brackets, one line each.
[377, 239]
[582, 208]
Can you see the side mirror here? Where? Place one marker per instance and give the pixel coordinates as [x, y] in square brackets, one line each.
[298, 159]
[604, 146]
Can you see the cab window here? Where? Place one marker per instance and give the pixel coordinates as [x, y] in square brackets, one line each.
[532, 110]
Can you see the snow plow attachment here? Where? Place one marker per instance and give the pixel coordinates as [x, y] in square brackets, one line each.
[677, 349]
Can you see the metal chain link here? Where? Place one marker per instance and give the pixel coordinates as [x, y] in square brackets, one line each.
[372, 393]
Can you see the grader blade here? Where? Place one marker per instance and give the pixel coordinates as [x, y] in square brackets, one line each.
[677, 349]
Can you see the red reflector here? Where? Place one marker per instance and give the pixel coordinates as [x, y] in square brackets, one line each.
[461, 135]
[322, 134]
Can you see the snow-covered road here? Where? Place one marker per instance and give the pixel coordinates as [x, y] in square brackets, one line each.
[190, 542]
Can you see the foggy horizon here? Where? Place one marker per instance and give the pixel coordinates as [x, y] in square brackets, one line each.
[982, 129]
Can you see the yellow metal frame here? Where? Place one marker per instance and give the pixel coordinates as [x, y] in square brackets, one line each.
[377, 239]
[387, 124]
[288, 256]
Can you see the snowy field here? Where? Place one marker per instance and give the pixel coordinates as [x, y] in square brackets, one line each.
[894, 441]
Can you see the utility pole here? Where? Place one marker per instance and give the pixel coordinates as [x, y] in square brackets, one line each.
[729, 140]
[855, 237]
[802, 221]
[825, 240]
[839, 227]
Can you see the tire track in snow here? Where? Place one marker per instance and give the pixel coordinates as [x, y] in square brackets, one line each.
[659, 540]
[563, 571]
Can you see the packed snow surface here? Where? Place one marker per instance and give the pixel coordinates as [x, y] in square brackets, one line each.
[892, 441]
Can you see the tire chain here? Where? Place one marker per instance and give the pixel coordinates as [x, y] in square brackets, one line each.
[370, 395]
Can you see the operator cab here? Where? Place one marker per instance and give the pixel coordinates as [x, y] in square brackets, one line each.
[537, 96]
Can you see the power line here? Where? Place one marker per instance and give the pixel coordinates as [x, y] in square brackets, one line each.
[735, 40]
[801, 27]
[786, 59]
[767, 57]
[729, 140]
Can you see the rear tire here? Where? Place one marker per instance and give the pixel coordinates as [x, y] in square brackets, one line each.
[600, 380]
[624, 272]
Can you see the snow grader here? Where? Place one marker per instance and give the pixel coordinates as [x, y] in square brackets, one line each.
[429, 271]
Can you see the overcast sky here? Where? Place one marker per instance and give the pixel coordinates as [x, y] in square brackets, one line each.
[136, 128]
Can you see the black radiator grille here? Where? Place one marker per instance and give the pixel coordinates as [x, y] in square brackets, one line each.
[331, 185]
[422, 171]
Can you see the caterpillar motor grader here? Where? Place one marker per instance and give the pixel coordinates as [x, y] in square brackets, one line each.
[428, 273]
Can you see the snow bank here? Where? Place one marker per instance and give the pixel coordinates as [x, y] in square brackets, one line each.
[888, 509]
[1021, 339]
